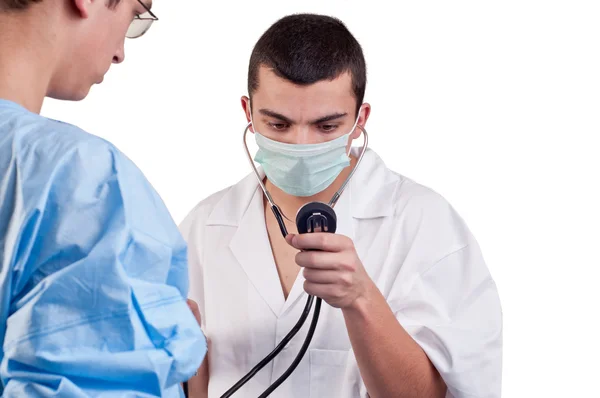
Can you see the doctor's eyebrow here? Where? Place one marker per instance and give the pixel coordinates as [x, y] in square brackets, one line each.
[276, 115]
[329, 118]
[287, 120]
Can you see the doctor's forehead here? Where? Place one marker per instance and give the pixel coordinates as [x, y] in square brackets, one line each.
[274, 90]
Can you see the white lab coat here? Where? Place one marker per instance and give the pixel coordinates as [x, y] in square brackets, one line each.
[413, 245]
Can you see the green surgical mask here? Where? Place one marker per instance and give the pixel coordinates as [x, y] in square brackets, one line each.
[302, 169]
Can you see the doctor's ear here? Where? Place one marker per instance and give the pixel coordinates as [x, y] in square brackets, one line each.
[363, 116]
[247, 110]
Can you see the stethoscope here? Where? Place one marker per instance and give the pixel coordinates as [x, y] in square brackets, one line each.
[311, 217]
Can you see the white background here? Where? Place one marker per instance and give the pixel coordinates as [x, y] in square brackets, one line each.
[496, 105]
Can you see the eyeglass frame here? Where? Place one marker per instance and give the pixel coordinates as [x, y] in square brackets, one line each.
[153, 18]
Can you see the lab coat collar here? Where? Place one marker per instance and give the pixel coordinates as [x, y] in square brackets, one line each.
[373, 187]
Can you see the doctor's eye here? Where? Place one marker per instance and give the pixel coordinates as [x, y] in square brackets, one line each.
[328, 128]
[278, 126]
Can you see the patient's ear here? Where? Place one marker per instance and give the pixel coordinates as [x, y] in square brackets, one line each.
[82, 7]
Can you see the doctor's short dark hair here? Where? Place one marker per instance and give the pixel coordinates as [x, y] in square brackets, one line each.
[24, 4]
[307, 48]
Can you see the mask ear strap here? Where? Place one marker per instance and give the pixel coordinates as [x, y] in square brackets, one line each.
[251, 121]
[354, 128]
[356, 122]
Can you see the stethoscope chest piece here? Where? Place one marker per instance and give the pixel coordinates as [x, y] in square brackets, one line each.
[316, 217]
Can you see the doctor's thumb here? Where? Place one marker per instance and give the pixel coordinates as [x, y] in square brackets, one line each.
[289, 238]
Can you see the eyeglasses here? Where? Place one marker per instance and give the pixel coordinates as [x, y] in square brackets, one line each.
[141, 23]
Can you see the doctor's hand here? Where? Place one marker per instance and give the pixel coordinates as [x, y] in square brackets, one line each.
[195, 310]
[332, 268]
[198, 385]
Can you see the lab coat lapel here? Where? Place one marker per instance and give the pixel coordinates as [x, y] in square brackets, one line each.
[250, 246]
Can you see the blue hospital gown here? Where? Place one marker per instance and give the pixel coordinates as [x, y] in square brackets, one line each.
[93, 270]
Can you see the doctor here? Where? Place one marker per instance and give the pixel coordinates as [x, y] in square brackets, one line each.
[412, 310]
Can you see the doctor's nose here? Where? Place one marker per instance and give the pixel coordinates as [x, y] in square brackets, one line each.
[302, 135]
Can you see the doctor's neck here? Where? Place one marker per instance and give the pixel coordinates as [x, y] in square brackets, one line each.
[290, 204]
[27, 58]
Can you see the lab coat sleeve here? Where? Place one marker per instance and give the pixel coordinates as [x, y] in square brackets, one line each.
[99, 280]
[451, 307]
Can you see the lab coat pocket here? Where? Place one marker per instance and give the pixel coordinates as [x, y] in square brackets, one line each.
[327, 369]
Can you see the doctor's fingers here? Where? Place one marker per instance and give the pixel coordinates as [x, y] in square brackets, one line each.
[328, 277]
[320, 241]
[321, 260]
[333, 294]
